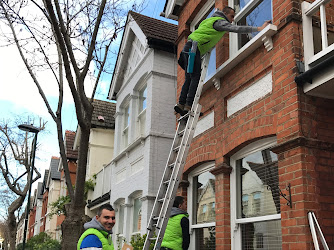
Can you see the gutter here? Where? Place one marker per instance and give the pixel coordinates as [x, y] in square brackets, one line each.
[309, 74]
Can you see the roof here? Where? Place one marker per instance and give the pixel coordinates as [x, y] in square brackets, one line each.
[154, 28]
[45, 180]
[40, 190]
[160, 35]
[55, 174]
[69, 141]
[103, 114]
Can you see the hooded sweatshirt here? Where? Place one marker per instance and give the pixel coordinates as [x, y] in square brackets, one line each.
[95, 236]
[177, 230]
[212, 29]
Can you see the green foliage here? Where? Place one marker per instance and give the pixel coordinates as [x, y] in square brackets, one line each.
[89, 185]
[58, 207]
[137, 241]
[41, 241]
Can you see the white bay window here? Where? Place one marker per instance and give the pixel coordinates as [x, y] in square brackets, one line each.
[255, 198]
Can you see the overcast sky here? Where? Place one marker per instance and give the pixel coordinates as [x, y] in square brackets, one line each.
[19, 95]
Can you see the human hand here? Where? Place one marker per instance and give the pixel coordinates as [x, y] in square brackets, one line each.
[264, 25]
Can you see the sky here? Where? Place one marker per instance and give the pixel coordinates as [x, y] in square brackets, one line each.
[19, 95]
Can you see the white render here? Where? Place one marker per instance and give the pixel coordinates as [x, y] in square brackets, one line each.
[138, 165]
[254, 92]
[205, 123]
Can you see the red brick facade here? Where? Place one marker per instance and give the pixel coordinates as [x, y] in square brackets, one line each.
[303, 126]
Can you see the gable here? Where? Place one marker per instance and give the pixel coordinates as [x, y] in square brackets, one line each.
[134, 44]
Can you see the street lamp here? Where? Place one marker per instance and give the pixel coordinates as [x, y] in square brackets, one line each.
[32, 129]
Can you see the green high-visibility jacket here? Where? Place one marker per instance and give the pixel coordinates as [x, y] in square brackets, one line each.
[102, 235]
[173, 235]
[206, 36]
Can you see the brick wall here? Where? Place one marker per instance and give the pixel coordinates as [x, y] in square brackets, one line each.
[303, 126]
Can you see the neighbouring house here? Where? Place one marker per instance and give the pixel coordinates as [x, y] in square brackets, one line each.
[53, 187]
[143, 85]
[31, 216]
[45, 193]
[263, 153]
[38, 203]
[35, 212]
[72, 157]
[20, 230]
[100, 153]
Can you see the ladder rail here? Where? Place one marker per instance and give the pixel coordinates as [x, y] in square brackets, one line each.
[172, 189]
[314, 227]
[156, 203]
[171, 176]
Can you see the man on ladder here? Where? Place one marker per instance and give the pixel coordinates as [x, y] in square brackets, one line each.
[201, 41]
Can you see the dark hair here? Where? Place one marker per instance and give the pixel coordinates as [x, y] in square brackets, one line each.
[228, 9]
[178, 201]
[104, 206]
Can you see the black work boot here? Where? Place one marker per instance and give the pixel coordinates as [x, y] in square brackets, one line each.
[179, 108]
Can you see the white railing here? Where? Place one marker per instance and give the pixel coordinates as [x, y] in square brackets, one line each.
[308, 11]
[315, 228]
[102, 183]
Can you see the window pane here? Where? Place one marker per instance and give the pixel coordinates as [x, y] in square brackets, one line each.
[206, 238]
[120, 221]
[255, 17]
[142, 99]
[204, 185]
[127, 117]
[262, 235]
[136, 215]
[257, 178]
[212, 62]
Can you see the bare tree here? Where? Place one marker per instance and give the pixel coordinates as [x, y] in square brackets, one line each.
[65, 37]
[15, 166]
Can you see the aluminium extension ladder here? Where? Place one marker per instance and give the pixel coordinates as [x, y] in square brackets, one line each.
[315, 228]
[174, 168]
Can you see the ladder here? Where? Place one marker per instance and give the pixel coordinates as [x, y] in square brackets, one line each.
[174, 168]
[315, 227]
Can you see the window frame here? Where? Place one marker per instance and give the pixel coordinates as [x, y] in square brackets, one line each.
[206, 167]
[236, 234]
[132, 232]
[234, 39]
[195, 22]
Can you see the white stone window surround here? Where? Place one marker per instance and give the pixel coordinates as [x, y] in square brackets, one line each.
[235, 222]
[134, 196]
[190, 201]
[308, 10]
[236, 56]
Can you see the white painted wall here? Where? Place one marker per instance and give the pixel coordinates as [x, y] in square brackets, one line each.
[138, 169]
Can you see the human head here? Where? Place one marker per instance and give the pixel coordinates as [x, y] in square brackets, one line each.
[229, 13]
[179, 202]
[106, 216]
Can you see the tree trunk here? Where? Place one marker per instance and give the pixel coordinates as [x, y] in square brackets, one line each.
[72, 227]
[11, 233]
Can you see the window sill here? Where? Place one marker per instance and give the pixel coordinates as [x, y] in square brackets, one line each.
[264, 37]
[139, 140]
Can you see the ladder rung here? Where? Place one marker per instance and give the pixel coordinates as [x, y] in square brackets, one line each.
[171, 165]
[167, 182]
[176, 148]
[185, 117]
[181, 133]
[156, 218]
[152, 239]
[161, 200]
